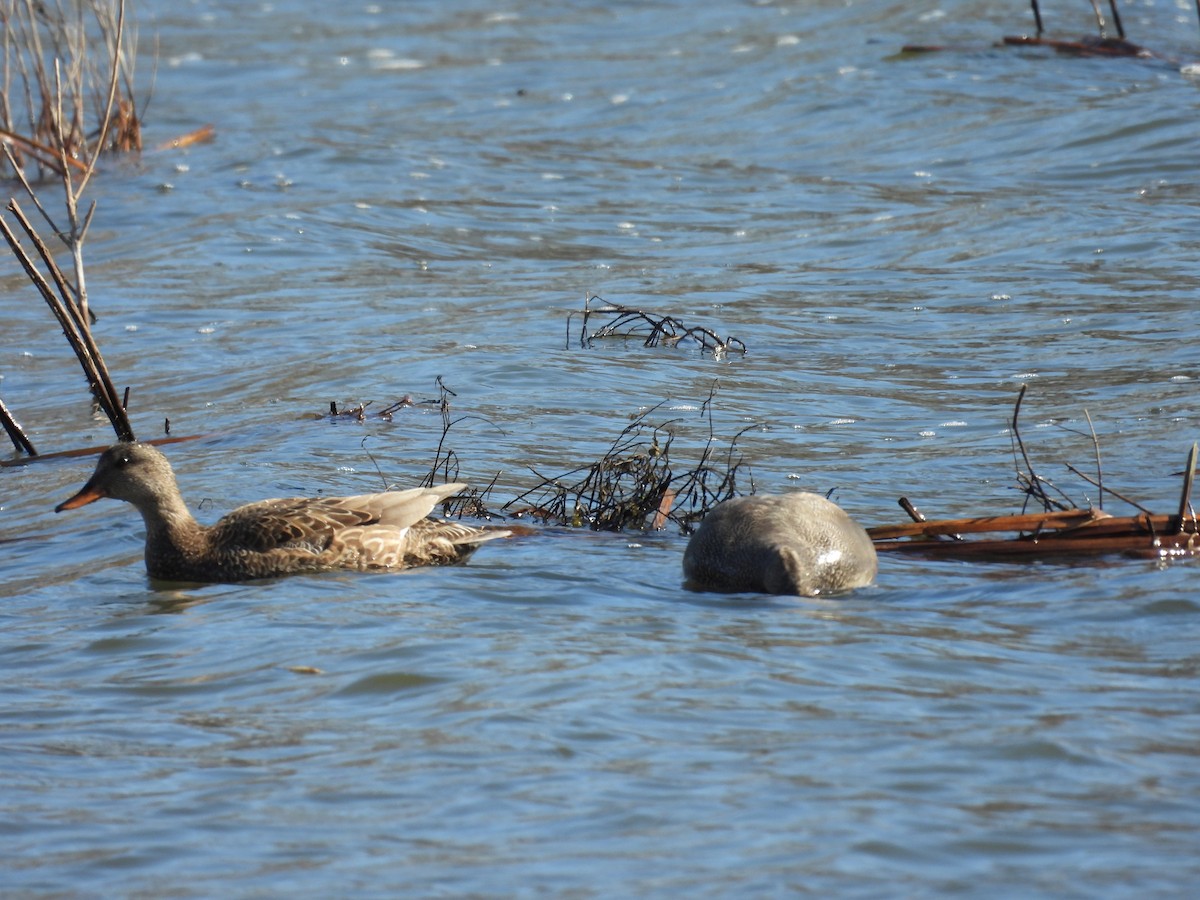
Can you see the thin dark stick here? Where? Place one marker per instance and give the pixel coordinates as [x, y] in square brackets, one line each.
[1112, 4]
[1099, 470]
[1037, 15]
[913, 513]
[1185, 497]
[1035, 488]
[15, 432]
[1117, 494]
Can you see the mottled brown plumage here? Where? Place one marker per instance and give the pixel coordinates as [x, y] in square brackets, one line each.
[795, 543]
[277, 537]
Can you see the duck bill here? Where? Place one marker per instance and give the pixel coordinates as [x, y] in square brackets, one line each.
[89, 493]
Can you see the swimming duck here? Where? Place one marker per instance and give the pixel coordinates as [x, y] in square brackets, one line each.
[794, 543]
[277, 537]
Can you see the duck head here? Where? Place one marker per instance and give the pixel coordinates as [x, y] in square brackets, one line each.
[135, 473]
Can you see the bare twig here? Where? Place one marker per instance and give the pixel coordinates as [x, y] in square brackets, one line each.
[652, 328]
[634, 484]
[71, 318]
[16, 433]
[1117, 494]
[1035, 485]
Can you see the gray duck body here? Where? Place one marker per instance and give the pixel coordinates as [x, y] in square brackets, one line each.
[281, 536]
[796, 543]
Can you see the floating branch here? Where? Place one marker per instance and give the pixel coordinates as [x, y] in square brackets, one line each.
[1084, 46]
[634, 485]
[1057, 531]
[1075, 532]
[1101, 44]
[652, 328]
[358, 412]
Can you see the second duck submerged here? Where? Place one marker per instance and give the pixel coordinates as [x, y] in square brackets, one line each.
[796, 543]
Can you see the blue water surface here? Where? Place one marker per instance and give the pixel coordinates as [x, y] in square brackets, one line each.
[398, 192]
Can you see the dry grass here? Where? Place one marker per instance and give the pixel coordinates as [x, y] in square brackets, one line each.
[67, 91]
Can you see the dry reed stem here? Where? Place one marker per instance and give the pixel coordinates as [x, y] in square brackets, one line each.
[41, 40]
[15, 432]
[72, 317]
[1189, 477]
[201, 135]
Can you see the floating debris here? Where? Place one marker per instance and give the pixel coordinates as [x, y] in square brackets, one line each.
[358, 412]
[652, 328]
[635, 485]
[1101, 44]
[1060, 530]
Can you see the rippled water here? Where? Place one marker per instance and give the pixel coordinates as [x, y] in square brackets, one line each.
[401, 192]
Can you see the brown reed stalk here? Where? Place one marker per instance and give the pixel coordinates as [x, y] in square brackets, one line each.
[1185, 496]
[49, 60]
[71, 316]
[15, 432]
[1063, 533]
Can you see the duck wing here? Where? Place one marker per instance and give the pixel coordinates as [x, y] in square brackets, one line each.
[313, 525]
